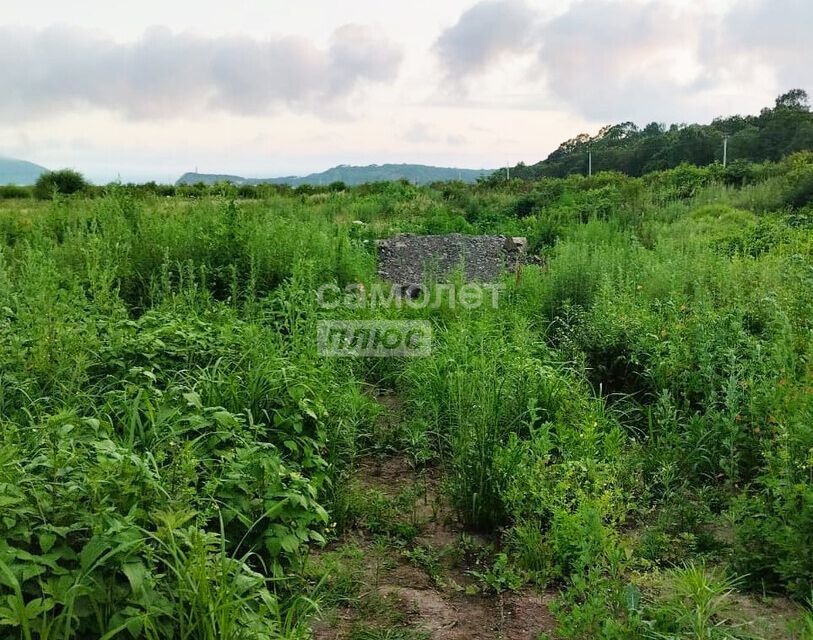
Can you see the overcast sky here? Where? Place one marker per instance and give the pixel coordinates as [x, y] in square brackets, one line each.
[150, 89]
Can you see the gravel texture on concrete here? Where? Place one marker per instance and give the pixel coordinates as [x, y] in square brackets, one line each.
[413, 260]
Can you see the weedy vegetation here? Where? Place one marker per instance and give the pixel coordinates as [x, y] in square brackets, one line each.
[177, 460]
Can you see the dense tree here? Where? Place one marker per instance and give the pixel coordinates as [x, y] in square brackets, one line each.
[62, 182]
[772, 135]
[794, 100]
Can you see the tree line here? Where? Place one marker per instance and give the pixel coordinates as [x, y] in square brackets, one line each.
[776, 132]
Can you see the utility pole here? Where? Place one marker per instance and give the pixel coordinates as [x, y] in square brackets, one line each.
[725, 151]
[507, 171]
[589, 161]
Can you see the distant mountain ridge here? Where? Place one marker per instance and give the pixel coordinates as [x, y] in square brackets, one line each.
[19, 172]
[350, 175]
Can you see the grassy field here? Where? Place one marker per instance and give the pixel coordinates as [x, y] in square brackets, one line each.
[621, 448]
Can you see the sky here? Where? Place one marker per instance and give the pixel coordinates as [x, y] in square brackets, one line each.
[151, 89]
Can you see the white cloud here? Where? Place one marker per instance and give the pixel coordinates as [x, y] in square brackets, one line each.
[167, 74]
[773, 33]
[483, 34]
[472, 84]
[611, 60]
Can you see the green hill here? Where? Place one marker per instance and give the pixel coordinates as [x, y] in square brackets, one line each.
[774, 133]
[19, 172]
[351, 175]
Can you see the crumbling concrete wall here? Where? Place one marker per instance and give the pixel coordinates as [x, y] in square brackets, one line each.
[412, 260]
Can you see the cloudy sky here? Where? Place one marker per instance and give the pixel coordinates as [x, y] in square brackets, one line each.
[150, 89]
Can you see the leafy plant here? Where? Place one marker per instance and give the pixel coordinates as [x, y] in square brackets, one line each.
[699, 607]
[500, 577]
[62, 182]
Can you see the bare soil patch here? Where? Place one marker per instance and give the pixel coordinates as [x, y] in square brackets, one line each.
[429, 599]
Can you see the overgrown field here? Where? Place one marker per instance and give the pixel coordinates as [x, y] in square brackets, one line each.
[630, 430]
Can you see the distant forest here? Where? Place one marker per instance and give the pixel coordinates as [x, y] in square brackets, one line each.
[771, 135]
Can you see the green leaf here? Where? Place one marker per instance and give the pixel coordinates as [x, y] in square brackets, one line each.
[136, 574]
[225, 419]
[31, 571]
[47, 541]
[290, 543]
[6, 501]
[95, 547]
[134, 626]
[632, 598]
[38, 606]
[193, 399]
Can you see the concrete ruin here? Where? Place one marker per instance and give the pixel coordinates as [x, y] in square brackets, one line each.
[411, 260]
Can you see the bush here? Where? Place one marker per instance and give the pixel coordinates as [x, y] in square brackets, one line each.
[775, 525]
[801, 189]
[10, 191]
[62, 182]
[738, 173]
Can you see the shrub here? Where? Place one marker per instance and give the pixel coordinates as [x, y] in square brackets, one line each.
[701, 605]
[739, 172]
[10, 191]
[800, 192]
[775, 536]
[62, 182]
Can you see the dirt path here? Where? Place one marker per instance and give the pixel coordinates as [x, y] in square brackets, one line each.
[403, 568]
[410, 562]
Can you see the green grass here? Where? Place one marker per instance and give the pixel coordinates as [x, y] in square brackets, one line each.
[172, 448]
